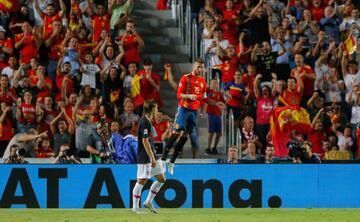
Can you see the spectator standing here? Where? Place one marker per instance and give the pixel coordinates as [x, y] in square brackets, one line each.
[89, 70]
[213, 47]
[131, 42]
[215, 104]
[316, 135]
[264, 106]
[100, 19]
[127, 118]
[7, 95]
[83, 129]
[307, 76]
[26, 113]
[150, 83]
[120, 11]
[6, 47]
[265, 59]
[6, 127]
[62, 130]
[27, 43]
[53, 40]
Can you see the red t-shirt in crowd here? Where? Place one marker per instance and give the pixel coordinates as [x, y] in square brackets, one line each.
[131, 47]
[316, 138]
[8, 43]
[308, 83]
[56, 46]
[48, 20]
[98, 24]
[7, 98]
[216, 97]
[191, 84]
[28, 49]
[58, 84]
[45, 90]
[44, 153]
[28, 113]
[248, 81]
[317, 13]
[292, 98]
[236, 91]
[49, 115]
[230, 16]
[244, 59]
[264, 108]
[147, 91]
[229, 32]
[228, 68]
[6, 129]
[32, 76]
[160, 129]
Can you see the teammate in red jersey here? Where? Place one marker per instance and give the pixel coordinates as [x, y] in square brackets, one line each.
[191, 90]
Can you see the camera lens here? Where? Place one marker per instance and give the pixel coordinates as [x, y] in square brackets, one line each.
[21, 152]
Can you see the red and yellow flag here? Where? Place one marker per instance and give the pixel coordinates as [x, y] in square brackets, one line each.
[350, 45]
[135, 91]
[283, 120]
[166, 74]
[9, 5]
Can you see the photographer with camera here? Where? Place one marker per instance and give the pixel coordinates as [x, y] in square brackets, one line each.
[16, 155]
[66, 156]
[99, 144]
[28, 141]
[301, 152]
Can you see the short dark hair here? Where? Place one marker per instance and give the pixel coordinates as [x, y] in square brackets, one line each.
[199, 60]
[293, 79]
[149, 106]
[218, 30]
[147, 62]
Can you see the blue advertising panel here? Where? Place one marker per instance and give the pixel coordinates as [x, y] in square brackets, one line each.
[192, 186]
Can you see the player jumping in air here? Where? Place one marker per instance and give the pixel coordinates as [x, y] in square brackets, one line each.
[191, 90]
[147, 164]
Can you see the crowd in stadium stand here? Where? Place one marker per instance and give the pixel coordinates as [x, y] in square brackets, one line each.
[71, 68]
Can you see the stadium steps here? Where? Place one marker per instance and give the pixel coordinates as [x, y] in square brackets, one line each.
[163, 44]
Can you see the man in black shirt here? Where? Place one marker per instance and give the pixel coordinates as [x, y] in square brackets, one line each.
[147, 164]
[265, 59]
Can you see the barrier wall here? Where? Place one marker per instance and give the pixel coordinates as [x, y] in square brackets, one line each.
[205, 185]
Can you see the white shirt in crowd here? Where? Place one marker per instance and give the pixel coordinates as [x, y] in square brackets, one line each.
[89, 75]
[214, 59]
[321, 72]
[350, 80]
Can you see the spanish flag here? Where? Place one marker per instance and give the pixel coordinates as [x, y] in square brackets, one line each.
[9, 5]
[135, 91]
[285, 119]
[350, 45]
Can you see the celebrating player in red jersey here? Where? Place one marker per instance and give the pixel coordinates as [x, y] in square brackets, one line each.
[191, 90]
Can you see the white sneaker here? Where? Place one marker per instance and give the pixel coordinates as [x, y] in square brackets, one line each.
[163, 165]
[137, 210]
[170, 167]
[150, 207]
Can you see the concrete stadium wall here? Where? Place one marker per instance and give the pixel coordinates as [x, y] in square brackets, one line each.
[192, 186]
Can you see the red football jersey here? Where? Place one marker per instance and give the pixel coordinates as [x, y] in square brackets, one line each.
[217, 97]
[191, 84]
[28, 113]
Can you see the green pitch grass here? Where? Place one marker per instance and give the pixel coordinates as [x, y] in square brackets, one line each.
[182, 215]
